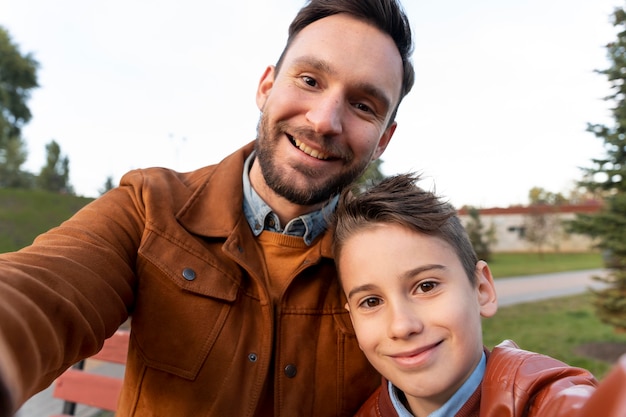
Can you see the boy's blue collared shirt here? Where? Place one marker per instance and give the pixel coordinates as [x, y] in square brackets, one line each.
[454, 404]
[260, 216]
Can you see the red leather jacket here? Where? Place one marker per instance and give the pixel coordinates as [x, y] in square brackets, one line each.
[526, 384]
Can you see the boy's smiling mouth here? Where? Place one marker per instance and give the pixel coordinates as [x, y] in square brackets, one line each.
[415, 357]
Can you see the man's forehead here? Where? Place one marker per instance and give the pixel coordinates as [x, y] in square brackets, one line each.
[344, 37]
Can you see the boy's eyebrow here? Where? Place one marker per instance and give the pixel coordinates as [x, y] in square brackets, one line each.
[324, 66]
[415, 271]
[360, 288]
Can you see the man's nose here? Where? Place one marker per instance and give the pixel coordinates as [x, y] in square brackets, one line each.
[326, 115]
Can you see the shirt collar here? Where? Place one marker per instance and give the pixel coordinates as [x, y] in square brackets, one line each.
[454, 403]
[261, 217]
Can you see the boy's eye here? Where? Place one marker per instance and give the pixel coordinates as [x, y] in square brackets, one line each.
[370, 302]
[426, 286]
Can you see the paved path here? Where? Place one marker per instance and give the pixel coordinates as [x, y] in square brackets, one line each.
[510, 291]
[540, 287]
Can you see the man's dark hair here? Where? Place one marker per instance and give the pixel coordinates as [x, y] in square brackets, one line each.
[398, 200]
[386, 15]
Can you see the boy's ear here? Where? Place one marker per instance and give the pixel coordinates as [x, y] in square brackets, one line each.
[486, 290]
[347, 306]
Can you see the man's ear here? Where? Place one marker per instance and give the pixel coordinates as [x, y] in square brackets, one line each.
[265, 86]
[384, 141]
[486, 290]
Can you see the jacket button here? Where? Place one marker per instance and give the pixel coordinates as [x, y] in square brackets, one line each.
[252, 357]
[189, 274]
[291, 370]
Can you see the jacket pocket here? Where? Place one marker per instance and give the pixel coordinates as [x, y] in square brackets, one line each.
[184, 297]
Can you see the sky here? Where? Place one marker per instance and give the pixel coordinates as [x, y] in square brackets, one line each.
[504, 89]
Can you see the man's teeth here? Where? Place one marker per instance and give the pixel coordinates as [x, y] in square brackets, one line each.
[309, 151]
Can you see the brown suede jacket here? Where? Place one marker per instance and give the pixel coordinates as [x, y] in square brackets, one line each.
[174, 251]
[518, 383]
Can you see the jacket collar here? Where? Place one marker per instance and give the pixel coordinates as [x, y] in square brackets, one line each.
[216, 208]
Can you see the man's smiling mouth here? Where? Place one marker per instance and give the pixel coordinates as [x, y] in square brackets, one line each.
[307, 150]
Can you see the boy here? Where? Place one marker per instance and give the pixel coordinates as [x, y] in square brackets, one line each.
[416, 293]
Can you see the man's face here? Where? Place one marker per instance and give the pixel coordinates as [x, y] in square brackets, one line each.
[325, 114]
[416, 314]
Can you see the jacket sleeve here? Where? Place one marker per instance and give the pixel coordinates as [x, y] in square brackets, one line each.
[62, 296]
[609, 400]
[522, 383]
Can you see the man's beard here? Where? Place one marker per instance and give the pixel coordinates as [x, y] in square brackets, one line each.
[278, 180]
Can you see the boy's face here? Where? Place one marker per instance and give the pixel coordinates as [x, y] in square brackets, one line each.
[416, 315]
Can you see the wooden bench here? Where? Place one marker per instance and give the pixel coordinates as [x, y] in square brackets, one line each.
[78, 385]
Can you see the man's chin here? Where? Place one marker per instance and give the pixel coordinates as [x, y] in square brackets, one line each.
[304, 194]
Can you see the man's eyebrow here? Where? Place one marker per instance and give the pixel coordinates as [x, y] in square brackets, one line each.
[368, 88]
[318, 64]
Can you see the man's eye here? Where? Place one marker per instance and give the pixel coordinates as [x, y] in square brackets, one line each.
[310, 81]
[426, 286]
[363, 107]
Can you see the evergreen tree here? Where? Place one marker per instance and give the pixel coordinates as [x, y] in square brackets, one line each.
[607, 177]
[54, 176]
[108, 185]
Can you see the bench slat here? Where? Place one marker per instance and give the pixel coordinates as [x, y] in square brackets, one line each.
[79, 386]
[115, 348]
[94, 390]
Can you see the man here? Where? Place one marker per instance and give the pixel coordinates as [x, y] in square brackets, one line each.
[227, 271]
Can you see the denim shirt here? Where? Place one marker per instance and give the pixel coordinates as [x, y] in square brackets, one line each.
[454, 403]
[261, 217]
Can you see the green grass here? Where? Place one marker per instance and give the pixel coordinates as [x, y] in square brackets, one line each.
[554, 327]
[517, 264]
[24, 214]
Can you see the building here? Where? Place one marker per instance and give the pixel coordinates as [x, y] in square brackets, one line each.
[512, 225]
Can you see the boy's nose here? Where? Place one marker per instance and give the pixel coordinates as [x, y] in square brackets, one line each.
[404, 322]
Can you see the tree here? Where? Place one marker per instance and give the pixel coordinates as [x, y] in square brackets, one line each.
[542, 225]
[607, 177]
[54, 176]
[18, 76]
[481, 239]
[371, 176]
[11, 159]
[108, 185]
[538, 195]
